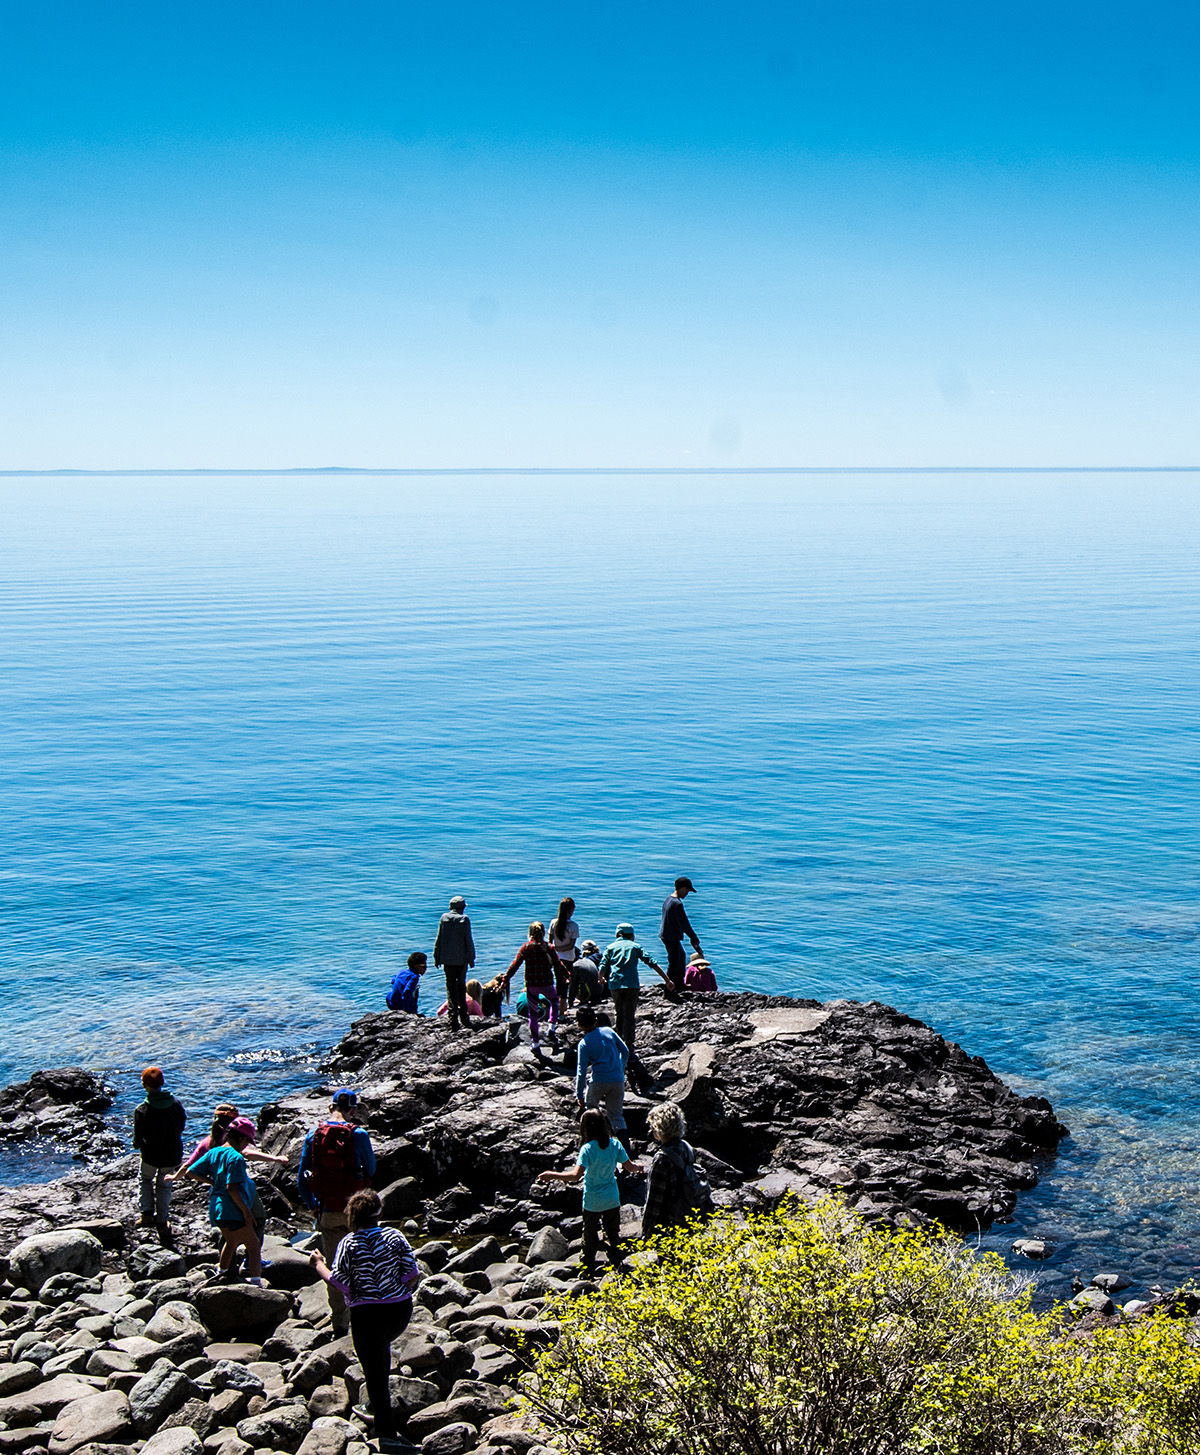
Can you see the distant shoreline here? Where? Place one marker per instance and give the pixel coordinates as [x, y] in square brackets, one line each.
[426, 470]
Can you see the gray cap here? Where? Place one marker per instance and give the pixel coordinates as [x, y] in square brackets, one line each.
[624, 931]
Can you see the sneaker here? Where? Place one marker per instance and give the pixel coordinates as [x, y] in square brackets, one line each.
[147, 1221]
[396, 1445]
[364, 1412]
[223, 1275]
[535, 1046]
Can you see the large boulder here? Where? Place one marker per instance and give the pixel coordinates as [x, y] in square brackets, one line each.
[465, 1410]
[401, 1198]
[505, 1139]
[475, 1258]
[193, 1414]
[228, 1308]
[159, 1393]
[310, 1372]
[179, 1441]
[43, 1401]
[282, 1428]
[150, 1261]
[328, 1439]
[16, 1377]
[284, 1267]
[65, 1250]
[227, 1374]
[454, 1439]
[175, 1320]
[418, 1348]
[96, 1418]
[548, 1246]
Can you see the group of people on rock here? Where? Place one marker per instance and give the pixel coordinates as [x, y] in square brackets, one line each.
[560, 969]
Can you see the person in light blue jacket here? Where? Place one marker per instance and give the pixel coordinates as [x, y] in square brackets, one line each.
[600, 1060]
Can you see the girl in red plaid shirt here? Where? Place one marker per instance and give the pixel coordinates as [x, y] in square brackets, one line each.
[541, 966]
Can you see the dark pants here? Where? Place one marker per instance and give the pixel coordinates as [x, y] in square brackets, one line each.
[611, 1219]
[625, 1015]
[676, 962]
[373, 1326]
[456, 994]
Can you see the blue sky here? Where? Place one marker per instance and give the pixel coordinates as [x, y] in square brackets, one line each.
[655, 234]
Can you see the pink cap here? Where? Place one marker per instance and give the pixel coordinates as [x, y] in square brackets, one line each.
[243, 1126]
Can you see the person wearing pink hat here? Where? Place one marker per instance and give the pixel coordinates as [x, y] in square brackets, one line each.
[230, 1199]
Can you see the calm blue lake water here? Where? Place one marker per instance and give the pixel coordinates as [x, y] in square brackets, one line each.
[925, 739]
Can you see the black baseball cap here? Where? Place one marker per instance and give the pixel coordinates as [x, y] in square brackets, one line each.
[685, 883]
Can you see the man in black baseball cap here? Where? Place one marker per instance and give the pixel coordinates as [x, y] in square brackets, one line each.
[675, 924]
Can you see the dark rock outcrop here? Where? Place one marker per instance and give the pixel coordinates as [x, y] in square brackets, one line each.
[64, 1107]
[106, 1348]
[780, 1096]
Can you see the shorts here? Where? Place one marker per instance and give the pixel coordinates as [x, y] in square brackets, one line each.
[228, 1225]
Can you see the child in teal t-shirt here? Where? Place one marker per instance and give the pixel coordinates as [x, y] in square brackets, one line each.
[231, 1198]
[600, 1154]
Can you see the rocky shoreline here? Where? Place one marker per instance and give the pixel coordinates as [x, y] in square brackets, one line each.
[110, 1343]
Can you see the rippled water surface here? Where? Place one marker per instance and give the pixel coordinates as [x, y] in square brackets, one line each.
[930, 740]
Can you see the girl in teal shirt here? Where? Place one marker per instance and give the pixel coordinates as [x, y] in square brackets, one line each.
[600, 1154]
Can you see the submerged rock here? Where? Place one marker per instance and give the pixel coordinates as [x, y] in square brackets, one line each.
[63, 1107]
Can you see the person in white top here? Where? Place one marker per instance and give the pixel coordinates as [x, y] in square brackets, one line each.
[564, 936]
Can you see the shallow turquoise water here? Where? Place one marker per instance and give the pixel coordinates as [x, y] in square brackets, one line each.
[930, 740]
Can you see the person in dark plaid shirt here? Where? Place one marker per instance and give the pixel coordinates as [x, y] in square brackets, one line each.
[667, 1202]
[542, 967]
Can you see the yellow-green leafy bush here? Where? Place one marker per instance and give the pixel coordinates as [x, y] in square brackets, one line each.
[804, 1332]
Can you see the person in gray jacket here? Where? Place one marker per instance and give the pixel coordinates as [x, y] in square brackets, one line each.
[454, 952]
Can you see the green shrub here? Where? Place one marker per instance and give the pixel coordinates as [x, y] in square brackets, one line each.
[805, 1332]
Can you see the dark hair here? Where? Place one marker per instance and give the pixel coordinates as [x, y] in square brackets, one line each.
[418, 957]
[566, 908]
[363, 1209]
[593, 1127]
[585, 1016]
[223, 1113]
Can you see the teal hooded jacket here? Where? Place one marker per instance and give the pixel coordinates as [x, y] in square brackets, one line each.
[621, 960]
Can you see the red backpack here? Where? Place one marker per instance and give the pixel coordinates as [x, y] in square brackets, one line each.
[335, 1175]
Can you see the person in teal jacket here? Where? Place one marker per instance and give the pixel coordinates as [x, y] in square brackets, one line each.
[619, 965]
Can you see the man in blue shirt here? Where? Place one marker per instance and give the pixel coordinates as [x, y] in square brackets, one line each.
[407, 984]
[337, 1160]
[600, 1060]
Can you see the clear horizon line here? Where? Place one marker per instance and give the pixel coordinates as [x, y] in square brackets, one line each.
[426, 470]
